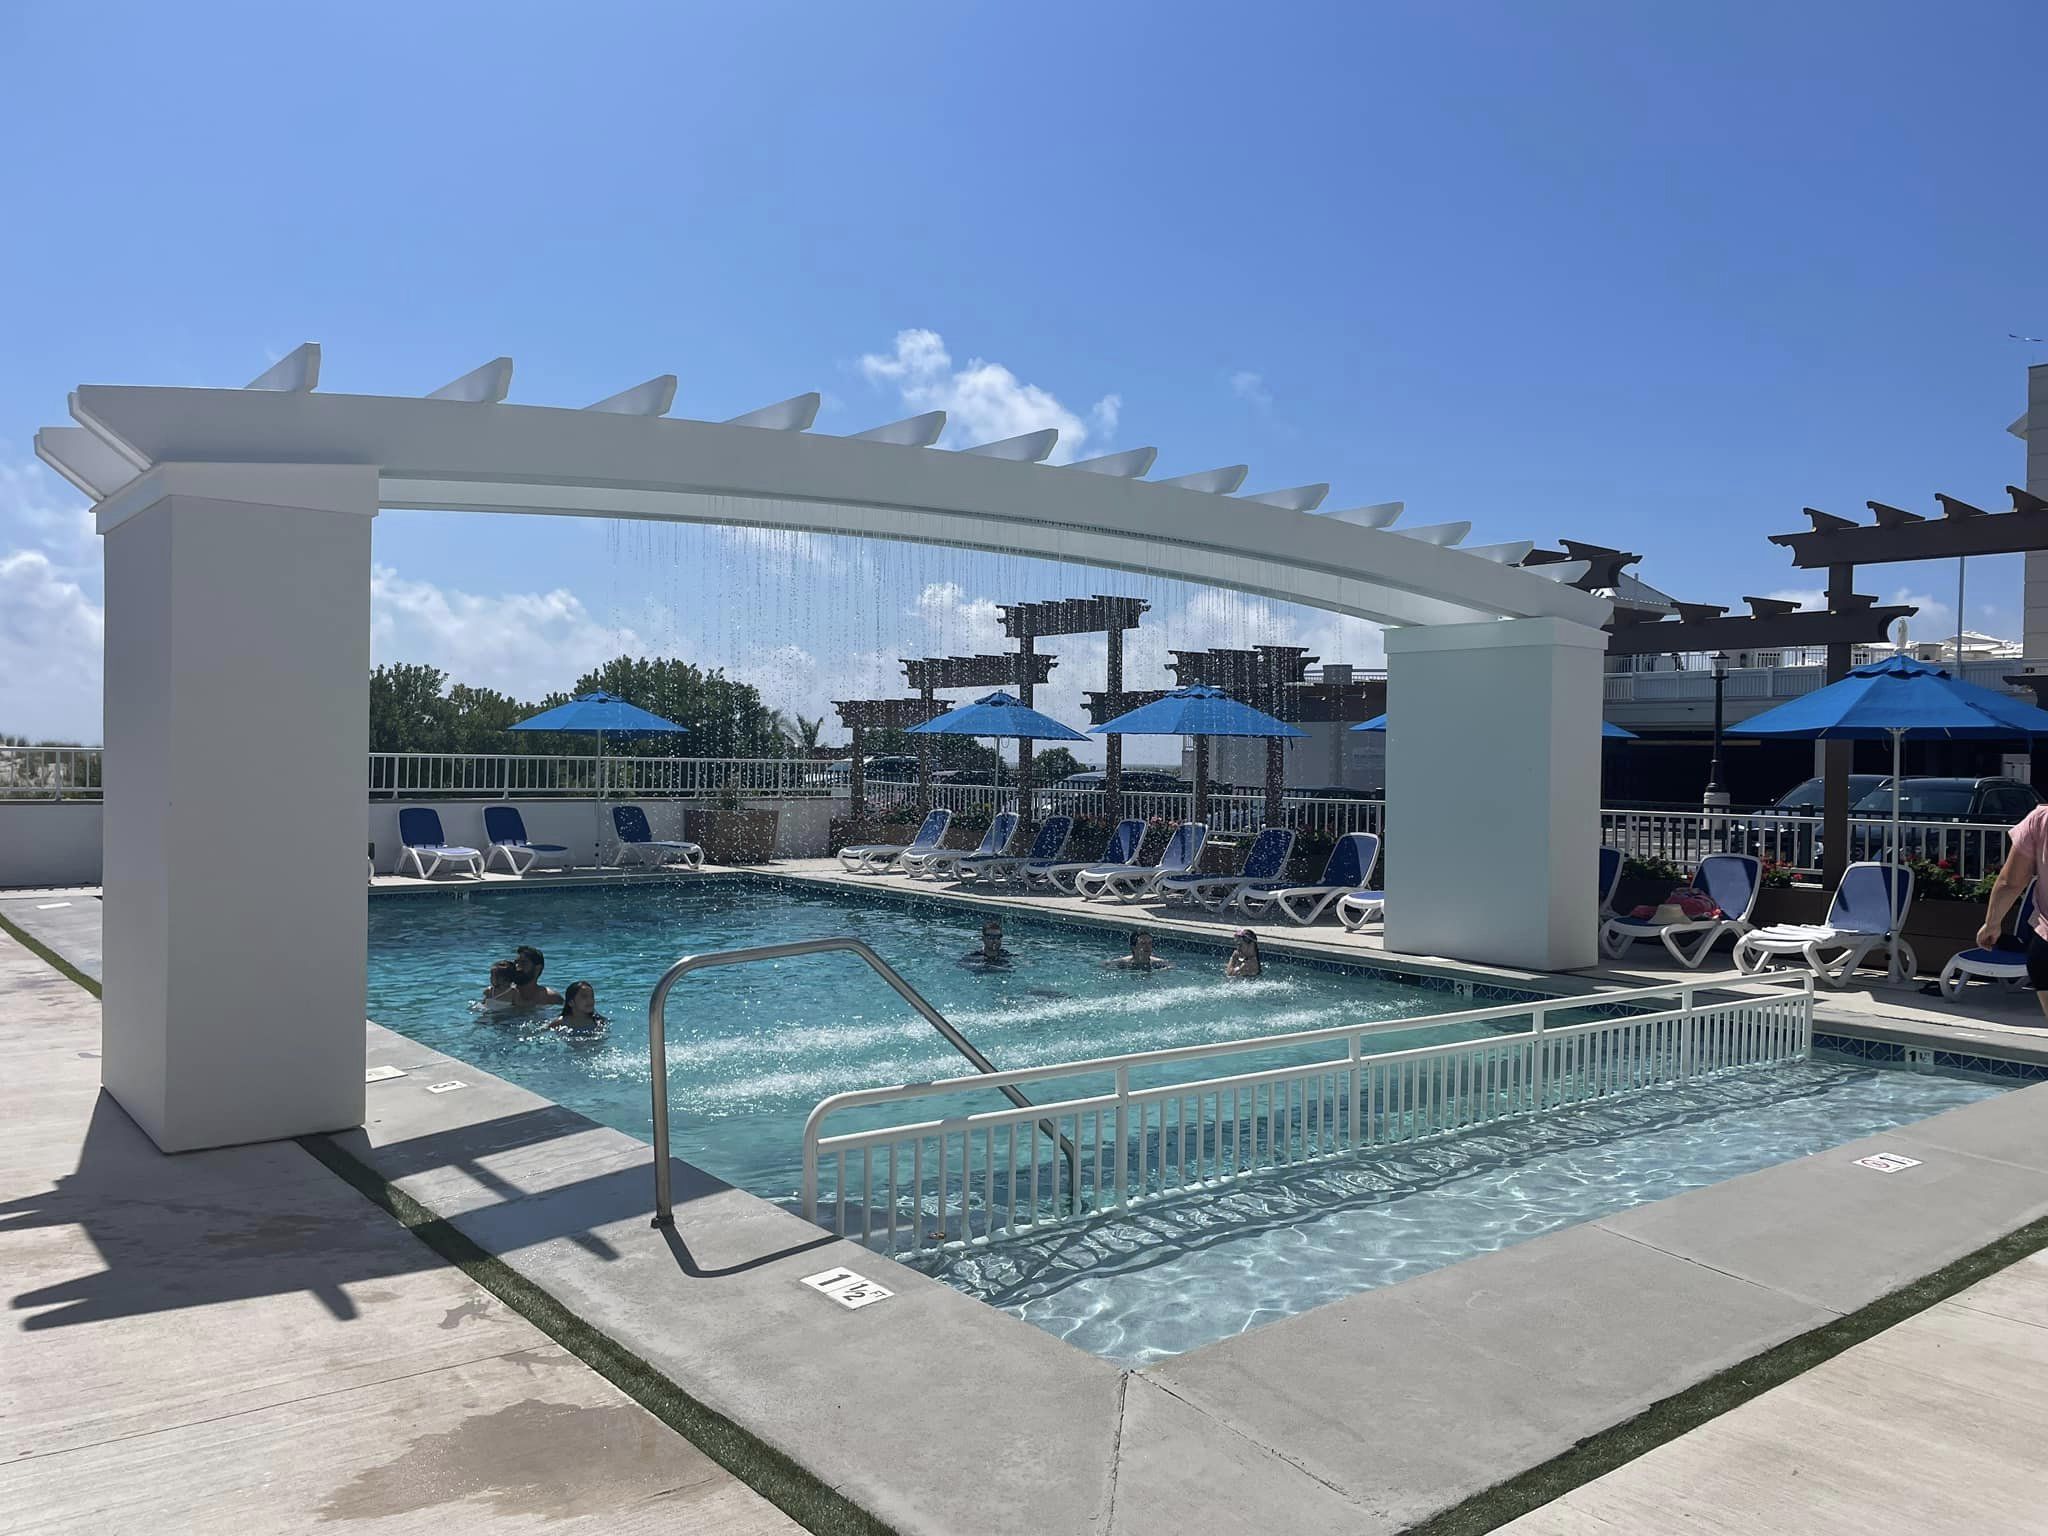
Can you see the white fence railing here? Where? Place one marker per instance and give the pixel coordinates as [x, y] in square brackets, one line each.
[1236, 810]
[981, 1175]
[403, 775]
[1973, 849]
[49, 773]
[1760, 682]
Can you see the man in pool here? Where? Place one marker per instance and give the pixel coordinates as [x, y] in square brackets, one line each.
[527, 992]
[1141, 957]
[991, 952]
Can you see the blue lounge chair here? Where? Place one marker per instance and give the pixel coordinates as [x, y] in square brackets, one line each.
[1046, 849]
[422, 845]
[506, 829]
[1130, 881]
[1611, 861]
[1345, 873]
[875, 858]
[1730, 880]
[1265, 864]
[638, 843]
[996, 840]
[1866, 912]
[1122, 848]
[2004, 965]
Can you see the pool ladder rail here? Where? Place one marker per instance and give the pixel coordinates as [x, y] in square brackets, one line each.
[657, 1043]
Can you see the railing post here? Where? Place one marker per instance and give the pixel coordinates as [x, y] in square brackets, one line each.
[1123, 1131]
[1688, 1024]
[1537, 1018]
[1357, 1092]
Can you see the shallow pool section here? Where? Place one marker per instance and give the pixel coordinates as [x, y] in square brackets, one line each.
[1177, 1273]
[752, 1049]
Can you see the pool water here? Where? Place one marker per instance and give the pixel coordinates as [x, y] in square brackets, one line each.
[754, 1048]
[1179, 1273]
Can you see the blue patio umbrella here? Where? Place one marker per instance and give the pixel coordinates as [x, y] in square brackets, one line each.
[1896, 698]
[1201, 713]
[601, 715]
[1608, 728]
[1000, 717]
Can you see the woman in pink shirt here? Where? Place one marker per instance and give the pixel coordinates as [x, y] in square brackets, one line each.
[2027, 862]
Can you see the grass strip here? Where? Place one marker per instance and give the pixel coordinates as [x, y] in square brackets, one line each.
[49, 956]
[778, 1479]
[1599, 1454]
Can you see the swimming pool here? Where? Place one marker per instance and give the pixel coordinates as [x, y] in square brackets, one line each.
[753, 1049]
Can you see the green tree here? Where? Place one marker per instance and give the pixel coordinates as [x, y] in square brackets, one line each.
[725, 717]
[407, 710]
[1053, 764]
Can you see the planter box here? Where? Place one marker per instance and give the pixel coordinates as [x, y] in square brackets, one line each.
[1939, 929]
[734, 837]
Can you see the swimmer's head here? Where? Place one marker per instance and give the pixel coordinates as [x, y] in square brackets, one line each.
[527, 964]
[580, 1001]
[502, 975]
[1141, 944]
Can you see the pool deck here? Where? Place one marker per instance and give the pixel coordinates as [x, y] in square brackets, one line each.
[1363, 1415]
[238, 1341]
[1933, 1425]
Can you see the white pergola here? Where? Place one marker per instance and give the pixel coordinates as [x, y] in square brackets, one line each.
[237, 635]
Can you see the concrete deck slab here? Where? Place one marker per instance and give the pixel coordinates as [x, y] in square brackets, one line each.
[236, 1340]
[1177, 1474]
[870, 1401]
[1501, 1362]
[1934, 1425]
[1839, 1235]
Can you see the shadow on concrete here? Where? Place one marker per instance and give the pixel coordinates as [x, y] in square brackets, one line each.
[199, 1229]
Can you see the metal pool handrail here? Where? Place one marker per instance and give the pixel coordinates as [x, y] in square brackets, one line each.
[657, 1041]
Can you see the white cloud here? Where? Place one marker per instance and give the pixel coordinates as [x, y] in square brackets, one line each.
[984, 402]
[523, 643]
[51, 634]
[1251, 388]
[51, 621]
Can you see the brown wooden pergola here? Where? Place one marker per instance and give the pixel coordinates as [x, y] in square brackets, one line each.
[860, 716]
[1027, 623]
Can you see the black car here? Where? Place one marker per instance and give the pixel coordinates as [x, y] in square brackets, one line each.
[1136, 781]
[1787, 831]
[1974, 802]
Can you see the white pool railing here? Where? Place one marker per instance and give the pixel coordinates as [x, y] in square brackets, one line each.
[974, 1178]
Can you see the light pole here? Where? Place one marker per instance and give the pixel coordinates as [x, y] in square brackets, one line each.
[1716, 798]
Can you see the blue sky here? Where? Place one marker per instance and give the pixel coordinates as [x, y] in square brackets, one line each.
[1647, 275]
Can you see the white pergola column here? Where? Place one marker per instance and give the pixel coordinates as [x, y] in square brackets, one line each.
[237, 702]
[1493, 791]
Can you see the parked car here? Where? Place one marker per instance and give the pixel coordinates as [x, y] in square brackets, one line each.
[1787, 831]
[891, 770]
[1135, 781]
[1982, 802]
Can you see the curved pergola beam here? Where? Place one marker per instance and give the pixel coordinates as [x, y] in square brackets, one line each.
[604, 463]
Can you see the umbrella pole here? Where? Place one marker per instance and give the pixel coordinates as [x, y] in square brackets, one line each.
[1892, 892]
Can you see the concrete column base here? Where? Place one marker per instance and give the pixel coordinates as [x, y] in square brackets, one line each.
[1493, 792]
[237, 707]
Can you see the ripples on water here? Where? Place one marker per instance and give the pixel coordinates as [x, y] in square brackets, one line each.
[1188, 1270]
[752, 1050]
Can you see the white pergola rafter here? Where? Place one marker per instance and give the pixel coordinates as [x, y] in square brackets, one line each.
[623, 457]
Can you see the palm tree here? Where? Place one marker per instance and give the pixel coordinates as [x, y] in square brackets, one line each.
[799, 731]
